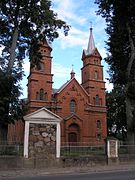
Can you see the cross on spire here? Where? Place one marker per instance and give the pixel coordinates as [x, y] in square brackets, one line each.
[90, 24]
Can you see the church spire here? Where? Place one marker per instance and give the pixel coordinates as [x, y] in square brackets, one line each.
[91, 44]
[72, 73]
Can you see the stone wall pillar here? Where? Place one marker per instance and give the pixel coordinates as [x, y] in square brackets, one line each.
[112, 150]
[26, 139]
[58, 141]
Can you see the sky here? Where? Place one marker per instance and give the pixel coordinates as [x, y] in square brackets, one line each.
[67, 50]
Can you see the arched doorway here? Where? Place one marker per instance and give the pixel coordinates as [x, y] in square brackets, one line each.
[72, 137]
[73, 133]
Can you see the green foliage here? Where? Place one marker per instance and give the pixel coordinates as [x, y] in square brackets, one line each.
[11, 108]
[24, 23]
[120, 20]
[116, 112]
[33, 21]
[119, 16]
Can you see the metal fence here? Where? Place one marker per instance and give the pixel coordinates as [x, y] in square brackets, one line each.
[71, 149]
[11, 150]
[126, 148]
[82, 149]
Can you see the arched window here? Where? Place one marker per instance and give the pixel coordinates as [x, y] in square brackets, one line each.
[37, 95]
[41, 94]
[95, 62]
[45, 96]
[40, 67]
[98, 124]
[74, 133]
[72, 106]
[99, 136]
[97, 100]
[96, 75]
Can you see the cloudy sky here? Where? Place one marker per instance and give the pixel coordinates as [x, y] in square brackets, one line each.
[67, 51]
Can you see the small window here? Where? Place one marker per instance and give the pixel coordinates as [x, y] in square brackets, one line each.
[72, 106]
[96, 62]
[98, 124]
[41, 94]
[40, 67]
[97, 100]
[99, 136]
[37, 95]
[96, 75]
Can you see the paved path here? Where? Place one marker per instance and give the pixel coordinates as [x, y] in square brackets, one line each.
[105, 175]
[66, 170]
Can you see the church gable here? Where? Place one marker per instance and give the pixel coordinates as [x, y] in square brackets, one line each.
[72, 87]
[71, 98]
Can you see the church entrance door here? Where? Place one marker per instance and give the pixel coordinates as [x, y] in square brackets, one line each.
[72, 137]
[73, 133]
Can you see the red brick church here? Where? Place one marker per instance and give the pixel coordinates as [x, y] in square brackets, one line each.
[81, 106]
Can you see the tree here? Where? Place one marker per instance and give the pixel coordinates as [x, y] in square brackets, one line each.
[24, 23]
[116, 113]
[120, 19]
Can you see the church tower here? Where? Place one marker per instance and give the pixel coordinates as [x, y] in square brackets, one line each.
[92, 73]
[40, 80]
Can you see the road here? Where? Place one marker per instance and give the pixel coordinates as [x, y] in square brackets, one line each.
[119, 175]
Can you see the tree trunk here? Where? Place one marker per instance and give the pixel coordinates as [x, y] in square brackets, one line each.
[130, 126]
[12, 49]
[129, 110]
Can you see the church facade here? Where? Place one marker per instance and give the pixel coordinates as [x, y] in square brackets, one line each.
[81, 106]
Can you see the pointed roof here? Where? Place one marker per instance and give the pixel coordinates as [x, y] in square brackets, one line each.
[91, 44]
[72, 73]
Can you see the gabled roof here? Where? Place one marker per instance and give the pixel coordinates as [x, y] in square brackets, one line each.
[42, 114]
[67, 83]
[63, 86]
[73, 115]
[54, 91]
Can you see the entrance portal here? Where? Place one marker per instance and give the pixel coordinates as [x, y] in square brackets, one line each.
[74, 133]
[72, 137]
